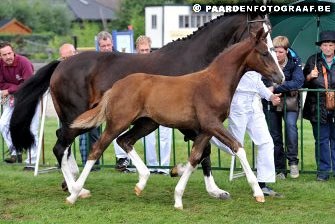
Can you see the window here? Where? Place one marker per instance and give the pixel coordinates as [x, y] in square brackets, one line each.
[153, 22]
[193, 21]
[181, 22]
[204, 19]
[187, 21]
[198, 20]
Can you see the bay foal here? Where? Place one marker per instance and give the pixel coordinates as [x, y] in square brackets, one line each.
[198, 101]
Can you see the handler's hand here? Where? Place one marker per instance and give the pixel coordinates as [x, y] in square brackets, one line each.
[275, 99]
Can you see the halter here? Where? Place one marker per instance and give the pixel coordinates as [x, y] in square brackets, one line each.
[266, 23]
[249, 22]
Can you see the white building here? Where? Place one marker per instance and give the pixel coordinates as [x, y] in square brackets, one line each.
[166, 23]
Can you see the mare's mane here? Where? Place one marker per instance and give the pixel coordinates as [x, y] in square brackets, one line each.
[201, 29]
[206, 25]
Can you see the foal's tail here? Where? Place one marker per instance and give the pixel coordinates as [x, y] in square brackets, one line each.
[94, 117]
[26, 101]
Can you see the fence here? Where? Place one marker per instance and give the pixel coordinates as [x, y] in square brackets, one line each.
[181, 150]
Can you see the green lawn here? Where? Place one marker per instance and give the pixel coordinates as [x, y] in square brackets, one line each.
[28, 199]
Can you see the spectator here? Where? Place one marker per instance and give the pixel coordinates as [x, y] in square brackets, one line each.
[66, 50]
[14, 70]
[105, 44]
[143, 46]
[319, 66]
[294, 79]
[246, 114]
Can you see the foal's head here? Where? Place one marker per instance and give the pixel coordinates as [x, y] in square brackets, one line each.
[261, 60]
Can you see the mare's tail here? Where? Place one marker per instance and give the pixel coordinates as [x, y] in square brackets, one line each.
[93, 117]
[26, 101]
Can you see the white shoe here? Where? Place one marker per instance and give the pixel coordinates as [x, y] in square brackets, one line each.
[294, 171]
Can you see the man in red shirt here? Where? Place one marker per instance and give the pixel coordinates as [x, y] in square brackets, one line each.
[14, 70]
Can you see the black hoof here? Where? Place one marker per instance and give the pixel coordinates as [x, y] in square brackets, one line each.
[64, 186]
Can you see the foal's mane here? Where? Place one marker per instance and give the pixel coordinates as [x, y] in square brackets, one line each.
[230, 48]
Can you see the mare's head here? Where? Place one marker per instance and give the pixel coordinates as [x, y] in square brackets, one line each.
[262, 60]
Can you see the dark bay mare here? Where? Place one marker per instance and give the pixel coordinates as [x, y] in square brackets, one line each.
[198, 101]
[78, 83]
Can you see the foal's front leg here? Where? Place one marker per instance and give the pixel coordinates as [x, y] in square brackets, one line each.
[226, 138]
[199, 144]
[142, 169]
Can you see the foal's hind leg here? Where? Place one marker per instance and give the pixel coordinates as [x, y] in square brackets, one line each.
[70, 176]
[197, 150]
[98, 148]
[141, 128]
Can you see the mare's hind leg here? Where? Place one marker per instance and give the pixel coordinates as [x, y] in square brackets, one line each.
[211, 187]
[197, 150]
[141, 128]
[67, 162]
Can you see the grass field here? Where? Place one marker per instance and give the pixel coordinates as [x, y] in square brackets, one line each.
[28, 199]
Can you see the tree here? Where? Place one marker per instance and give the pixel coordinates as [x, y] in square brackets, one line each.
[132, 13]
[40, 16]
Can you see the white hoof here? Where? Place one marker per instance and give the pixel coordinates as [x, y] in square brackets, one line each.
[138, 190]
[178, 203]
[84, 193]
[70, 200]
[179, 207]
[177, 171]
[220, 194]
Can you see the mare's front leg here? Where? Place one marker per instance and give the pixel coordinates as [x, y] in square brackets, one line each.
[226, 138]
[197, 150]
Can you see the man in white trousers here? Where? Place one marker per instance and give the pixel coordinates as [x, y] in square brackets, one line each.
[143, 46]
[246, 114]
[14, 70]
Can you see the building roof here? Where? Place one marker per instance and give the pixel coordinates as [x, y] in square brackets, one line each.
[12, 26]
[90, 10]
[112, 4]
